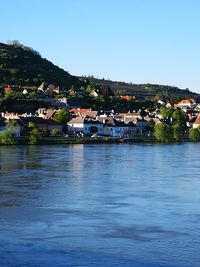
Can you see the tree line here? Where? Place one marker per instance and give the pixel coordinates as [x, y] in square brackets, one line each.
[174, 126]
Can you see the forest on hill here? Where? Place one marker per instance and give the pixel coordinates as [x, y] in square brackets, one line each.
[23, 66]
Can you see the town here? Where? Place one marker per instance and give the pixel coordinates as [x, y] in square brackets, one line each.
[65, 117]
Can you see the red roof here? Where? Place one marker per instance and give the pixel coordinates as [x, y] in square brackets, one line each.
[127, 97]
[79, 110]
[186, 101]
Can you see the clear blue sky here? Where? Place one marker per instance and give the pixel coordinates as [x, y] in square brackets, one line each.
[139, 41]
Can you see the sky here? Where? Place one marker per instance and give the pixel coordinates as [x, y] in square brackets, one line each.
[138, 41]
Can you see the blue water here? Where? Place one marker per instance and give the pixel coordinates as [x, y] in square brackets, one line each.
[100, 205]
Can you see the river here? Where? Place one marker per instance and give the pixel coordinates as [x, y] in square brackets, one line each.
[100, 205]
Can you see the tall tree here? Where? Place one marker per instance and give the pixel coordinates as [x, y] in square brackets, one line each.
[178, 132]
[179, 116]
[193, 134]
[162, 132]
[34, 133]
[166, 113]
[7, 136]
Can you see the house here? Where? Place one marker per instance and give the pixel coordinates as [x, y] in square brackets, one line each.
[61, 102]
[94, 93]
[85, 125]
[161, 102]
[40, 122]
[9, 115]
[129, 116]
[197, 108]
[168, 105]
[45, 113]
[51, 89]
[84, 112]
[191, 121]
[141, 126]
[186, 102]
[196, 123]
[116, 128]
[76, 125]
[53, 125]
[44, 125]
[42, 87]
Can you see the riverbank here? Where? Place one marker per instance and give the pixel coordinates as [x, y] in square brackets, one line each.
[82, 140]
[89, 140]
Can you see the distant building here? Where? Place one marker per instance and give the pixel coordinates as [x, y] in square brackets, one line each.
[85, 125]
[186, 103]
[128, 97]
[196, 123]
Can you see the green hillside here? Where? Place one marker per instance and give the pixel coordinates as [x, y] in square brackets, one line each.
[148, 91]
[23, 66]
[20, 65]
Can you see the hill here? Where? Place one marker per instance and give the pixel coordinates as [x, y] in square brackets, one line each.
[21, 65]
[148, 91]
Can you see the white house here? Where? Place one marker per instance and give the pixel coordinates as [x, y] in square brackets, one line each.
[186, 103]
[85, 125]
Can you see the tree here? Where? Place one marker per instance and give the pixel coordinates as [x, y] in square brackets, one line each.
[150, 127]
[179, 116]
[54, 132]
[89, 89]
[178, 132]
[162, 132]
[62, 116]
[72, 91]
[7, 137]
[34, 133]
[166, 112]
[193, 134]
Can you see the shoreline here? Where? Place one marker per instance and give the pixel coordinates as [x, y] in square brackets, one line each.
[89, 140]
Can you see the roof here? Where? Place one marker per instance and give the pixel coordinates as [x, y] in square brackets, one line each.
[91, 114]
[79, 110]
[84, 112]
[84, 120]
[91, 121]
[127, 97]
[51, 122]
[131, 114]
[197, 121]
[36, 120]
[110, 121]
[17, 121]
[76, 120]
[49, 113]
[186, 101]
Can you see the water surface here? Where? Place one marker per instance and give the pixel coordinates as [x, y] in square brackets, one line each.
[100, 205]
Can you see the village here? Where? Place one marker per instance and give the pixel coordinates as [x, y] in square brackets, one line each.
[86, 122]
